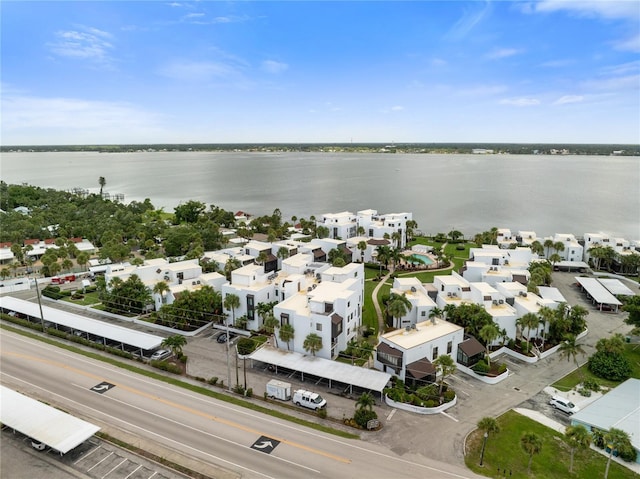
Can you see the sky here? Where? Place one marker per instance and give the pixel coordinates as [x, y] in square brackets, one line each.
[548, 71]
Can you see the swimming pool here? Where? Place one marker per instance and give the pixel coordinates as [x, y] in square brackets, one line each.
[420, 258]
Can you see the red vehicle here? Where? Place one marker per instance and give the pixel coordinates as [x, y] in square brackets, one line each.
[63, 279]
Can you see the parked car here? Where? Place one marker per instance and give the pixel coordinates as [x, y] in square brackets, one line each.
[308, 399]
[564, 405]
[160, 354]
[37, 445]
[222, 337]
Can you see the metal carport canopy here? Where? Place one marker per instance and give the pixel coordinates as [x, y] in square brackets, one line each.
[598, 292]
[615, 286]
[324, 368]
[46, 424]
[120, 334]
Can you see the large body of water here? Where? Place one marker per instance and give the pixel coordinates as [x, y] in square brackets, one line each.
[470, 193]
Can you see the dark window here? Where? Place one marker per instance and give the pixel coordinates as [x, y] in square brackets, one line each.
[284, 319]
[435, 354]
[250, 308]
[449, 347]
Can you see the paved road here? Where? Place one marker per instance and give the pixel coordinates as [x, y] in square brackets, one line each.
[230, 440]
[410, 436]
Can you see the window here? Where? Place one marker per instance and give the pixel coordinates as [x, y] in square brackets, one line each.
[328, 307]
[449, 347]
[434, 356]
[284, 319]
[318, 326]
[250, 307]
[423, 314]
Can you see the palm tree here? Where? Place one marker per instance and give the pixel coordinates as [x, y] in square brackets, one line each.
[384, 254]
[362, 246]
[555, 258]
[175, 343]
[398, 306]
[531, 444]
[558, 246]
[546, 315]
[446, 366]
[270, 324]
[489, 425]
[548, 244]
[161, 287]
[312, 343]
[435, 313]
[570, 349]
[529, 321]
[365, 401]
[286, 333]
[102, 182]
[615, 439]
[576, 437]
[231, 301]
[489, 333]
[537, 248]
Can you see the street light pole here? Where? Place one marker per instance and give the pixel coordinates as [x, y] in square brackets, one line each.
[39, 304]
[228, 364]
[484, 443]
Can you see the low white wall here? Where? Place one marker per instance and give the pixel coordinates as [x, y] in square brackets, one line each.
[484, 379]
[419, 409]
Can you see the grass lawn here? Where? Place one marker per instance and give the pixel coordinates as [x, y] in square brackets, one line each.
[503, 451]
[88, 300]
[571, 380]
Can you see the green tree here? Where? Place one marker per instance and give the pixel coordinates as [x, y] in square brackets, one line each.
[570, 349]
[528, 321]
[531, 444]
[231, 302]
[489, 333]
[366, 401]
[312, 343]
[576, 437]
[615, 439]
[175, 343]
[362, 246]
[270, 324]
[286, 334]
[445, 366]
[632, 306]
[160, 288]
[102, 182]
[398, 306]
[189, 212]
[488, 425]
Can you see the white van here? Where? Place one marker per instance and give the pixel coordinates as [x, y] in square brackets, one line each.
[308, 399]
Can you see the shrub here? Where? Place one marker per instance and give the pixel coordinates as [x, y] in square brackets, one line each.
[611, 366]
[167, 366]
[362, 416]
[502, 368]
[448, 396]
[584, 392]
[430, 403]
[52, 292]
[183, 358]
[213, 380]
[591, 385]
[481, 367]
[249, 392]
[322, 413]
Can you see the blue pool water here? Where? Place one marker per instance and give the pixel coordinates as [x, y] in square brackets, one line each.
[420, 258]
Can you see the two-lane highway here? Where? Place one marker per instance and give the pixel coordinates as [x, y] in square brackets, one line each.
[237, 440]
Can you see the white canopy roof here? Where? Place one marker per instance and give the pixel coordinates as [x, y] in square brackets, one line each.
[553, 294]
[598, 292]
[98, 328]
[324, 368]
[615, 286]
[43, 423]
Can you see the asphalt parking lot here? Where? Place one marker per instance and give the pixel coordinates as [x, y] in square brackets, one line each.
[94, 459]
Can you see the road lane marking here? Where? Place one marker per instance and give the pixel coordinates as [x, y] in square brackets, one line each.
[187, 409]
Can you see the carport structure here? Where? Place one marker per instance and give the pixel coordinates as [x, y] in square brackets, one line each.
[616, 287]
[598, 294]
[123, 338]
[57, 429]
[333, 371]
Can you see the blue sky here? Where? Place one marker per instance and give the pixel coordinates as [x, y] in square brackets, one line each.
[222, 72]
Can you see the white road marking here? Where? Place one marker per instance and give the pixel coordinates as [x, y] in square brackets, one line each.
[393, 411]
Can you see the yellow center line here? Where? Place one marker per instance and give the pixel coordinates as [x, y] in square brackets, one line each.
[184, 408]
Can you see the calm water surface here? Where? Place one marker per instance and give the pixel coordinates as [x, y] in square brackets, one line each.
[471, 193]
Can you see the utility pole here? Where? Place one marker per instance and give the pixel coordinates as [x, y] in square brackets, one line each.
[39, 304]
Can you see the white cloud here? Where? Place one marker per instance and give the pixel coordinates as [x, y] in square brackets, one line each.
[563, 100]
[593, 8]
[36, 117]
[272, 66]
[84, 43]
[502, 53]
[469, 19]
[614, 84]
[397, 108]
[522, 101]
[631, 44]
[199, 71]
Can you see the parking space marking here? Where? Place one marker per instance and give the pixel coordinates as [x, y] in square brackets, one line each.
[133, 472]
[100, 462]
[449, 416]
[393, 411]
[116, 467]
[87, 455]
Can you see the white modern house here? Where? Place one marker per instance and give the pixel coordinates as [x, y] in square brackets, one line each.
[409, 353]
[345, 225]
[573, 251]
[327, 303]
[421, 302]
